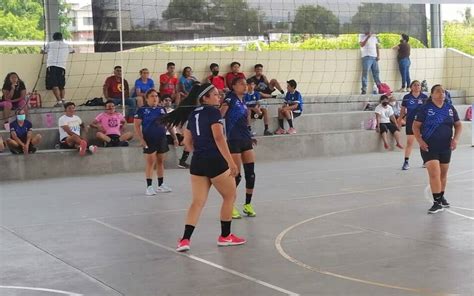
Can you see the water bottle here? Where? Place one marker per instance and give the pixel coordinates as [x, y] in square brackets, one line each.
[375, 89]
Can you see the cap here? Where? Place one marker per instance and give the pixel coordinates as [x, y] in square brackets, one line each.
[292, 83]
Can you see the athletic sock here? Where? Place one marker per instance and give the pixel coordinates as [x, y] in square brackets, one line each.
[188, 231]
[160, 181]
[437, 196]
[280, 122]
[406, 159]
[248, 198]
[442, 193]
[290, 123]
[184, 156]
[266, 127]
[148, 182]
[225, 228]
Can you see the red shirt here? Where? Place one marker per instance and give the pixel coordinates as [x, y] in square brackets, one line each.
[114, 87]
[231, 76]
[168, 84]
[217, 81]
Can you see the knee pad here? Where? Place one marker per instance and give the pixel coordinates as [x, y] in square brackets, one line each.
[237, 180]
[249, 170]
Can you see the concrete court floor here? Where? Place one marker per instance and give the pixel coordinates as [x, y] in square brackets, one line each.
[350, 225]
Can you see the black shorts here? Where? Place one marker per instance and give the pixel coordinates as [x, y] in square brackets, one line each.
[252, 114]
[409, 128]
[208, 167]
[295, 114]
[55, 77]
[442, 157]
[158, 146]
[239, 146]
[114, 140]
[169, 138]
[267, 91]
[64, 145]
[388, 127]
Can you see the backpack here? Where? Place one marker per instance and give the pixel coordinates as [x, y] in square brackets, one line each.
[384, 88]
[469, 114]
[370, 124]
[34, 99]
[94, 102]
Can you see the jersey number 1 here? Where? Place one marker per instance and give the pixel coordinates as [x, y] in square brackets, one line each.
[198, 132]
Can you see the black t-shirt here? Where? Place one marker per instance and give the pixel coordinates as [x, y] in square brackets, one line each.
[18, 89]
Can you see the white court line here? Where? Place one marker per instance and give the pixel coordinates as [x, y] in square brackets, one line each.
[461, 208]
[41, 289]
[429, 198]
[228, 270]
[282, 252]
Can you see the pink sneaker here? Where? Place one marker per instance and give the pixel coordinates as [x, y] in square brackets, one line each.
[291, 131]
[280, 131]
[230, 240]
[183, 245]
[82, 148]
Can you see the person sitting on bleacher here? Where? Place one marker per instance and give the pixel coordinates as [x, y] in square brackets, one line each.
[386, 122]
[22, 139]
[217, 80]
[70, 131]
[13, 95]
[263, 85]
[142, 85]
[251, 99]
[112, 127]
[292, 108]
[233, 74]
[113, 91]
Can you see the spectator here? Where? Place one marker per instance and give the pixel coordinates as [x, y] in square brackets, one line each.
[292, 108]
[142, 85]
[169, 83]
[113, 91]
[167, 103]
[233, 74]
[369, 46]
[251, 99]
[112, 127]
[410, 104]
[70, 131]
[386, 122]
[403, 58]
[22, 139]
[14, 94]
[265, 87]
[152, 136]
[217, 80]
[2, 144]
[396, 105]
[433, 129]
[58, 52]
[186, 81]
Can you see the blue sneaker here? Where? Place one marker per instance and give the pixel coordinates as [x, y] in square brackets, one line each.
[405, 166]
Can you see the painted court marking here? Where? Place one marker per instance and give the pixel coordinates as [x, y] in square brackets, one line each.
[285, 255]
[228, 270]
[41, 290]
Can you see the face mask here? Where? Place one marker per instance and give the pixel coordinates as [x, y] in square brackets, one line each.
[215, 73]
[384, 104]
[21, 117]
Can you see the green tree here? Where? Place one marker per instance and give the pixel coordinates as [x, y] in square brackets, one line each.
[237, 17]
[195, 11]
[64, 20]
[468, 18]
[312, 19]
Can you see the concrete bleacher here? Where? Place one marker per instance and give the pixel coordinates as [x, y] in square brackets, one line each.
[330, 125]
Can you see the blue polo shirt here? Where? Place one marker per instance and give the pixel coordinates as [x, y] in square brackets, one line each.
[236, 118]
[152, 129]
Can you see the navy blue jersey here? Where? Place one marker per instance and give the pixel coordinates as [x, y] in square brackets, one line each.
[21, 131]
[292, 98]
[199, 124]
[412, 104]
[152, 129]
[236, 118]
[251, 100]
[260, 84]
[437, 125]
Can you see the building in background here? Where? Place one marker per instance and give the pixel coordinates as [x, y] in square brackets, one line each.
[82, 25]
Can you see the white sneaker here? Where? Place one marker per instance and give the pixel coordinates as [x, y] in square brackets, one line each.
[92, 149]
[150, 191]
[163, 188]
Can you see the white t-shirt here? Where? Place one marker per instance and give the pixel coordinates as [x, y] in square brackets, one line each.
[385, 113]
[57, 54]
[73, 122]
[370, 48]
